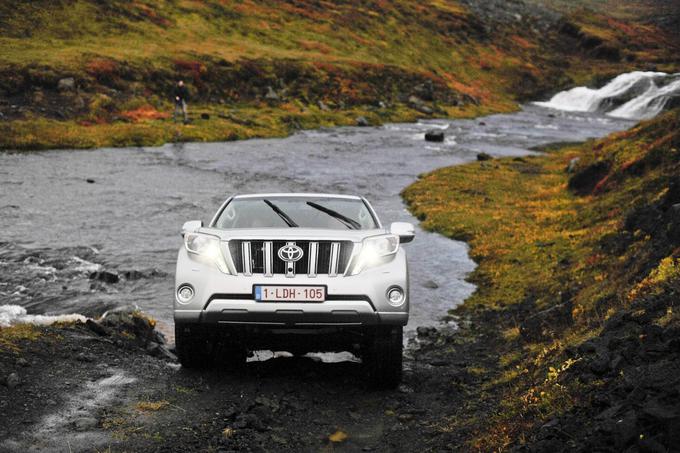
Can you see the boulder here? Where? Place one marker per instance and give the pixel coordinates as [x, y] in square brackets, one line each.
[66, 84]
[434, 136]
[430, 284]
[362, 122]
[422, 108]
[483, 156]
[424, 331]
[323, 106]
[13, 380]
[105, 276]
[97, 328]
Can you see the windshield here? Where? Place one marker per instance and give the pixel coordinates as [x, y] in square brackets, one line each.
[294, 212]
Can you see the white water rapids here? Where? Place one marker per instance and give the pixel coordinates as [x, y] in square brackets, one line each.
[635, 95]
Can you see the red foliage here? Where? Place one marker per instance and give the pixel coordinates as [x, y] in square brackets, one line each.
[145, 112]
[593, 259]
[601, 183]
[101, 67]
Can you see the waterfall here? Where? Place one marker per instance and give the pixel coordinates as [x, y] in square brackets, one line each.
[634, 95]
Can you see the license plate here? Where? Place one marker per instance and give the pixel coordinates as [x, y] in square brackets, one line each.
[283, 293]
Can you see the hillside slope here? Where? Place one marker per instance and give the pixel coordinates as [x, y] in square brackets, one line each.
[83, 73]
[580, 275]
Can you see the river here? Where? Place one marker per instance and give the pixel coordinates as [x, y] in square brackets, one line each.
[66, 214]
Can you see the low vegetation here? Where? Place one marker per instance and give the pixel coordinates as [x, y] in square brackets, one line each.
[580, 274]
[85, 73]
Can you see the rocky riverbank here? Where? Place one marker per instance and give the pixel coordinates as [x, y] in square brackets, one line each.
[114, 384]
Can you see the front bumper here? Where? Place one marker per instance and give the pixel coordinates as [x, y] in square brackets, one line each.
[351, 300]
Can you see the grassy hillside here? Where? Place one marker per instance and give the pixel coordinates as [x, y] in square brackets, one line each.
[581, 274]
[265, 67]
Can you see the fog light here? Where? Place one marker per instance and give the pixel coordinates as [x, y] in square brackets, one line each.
[184, 294]
[395, 296]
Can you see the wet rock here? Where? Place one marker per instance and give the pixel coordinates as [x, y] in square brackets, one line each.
[97, 328]
[362, 122]
[66, 84]
[22, 362]
[434, 136]
[425, 332]
[89, 181]
[483, 157]
[430, 284]
[481, 123]
[133, 275]
[13, 380]
[105, 276]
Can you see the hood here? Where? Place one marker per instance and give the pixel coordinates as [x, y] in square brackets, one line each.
[293, 234]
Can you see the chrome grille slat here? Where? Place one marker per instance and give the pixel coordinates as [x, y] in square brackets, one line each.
[335, 255]
[247, 260]
[313, 256]
[267, 250]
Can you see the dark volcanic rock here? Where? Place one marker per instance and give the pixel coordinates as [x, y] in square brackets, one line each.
[105, 276]
[434, 136]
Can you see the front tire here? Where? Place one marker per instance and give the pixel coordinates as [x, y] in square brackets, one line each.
[194, 345]
[383, 357]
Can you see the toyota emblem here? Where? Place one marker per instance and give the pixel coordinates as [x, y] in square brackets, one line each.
[290, 253]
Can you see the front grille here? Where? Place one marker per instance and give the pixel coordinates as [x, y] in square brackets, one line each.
[318, 257]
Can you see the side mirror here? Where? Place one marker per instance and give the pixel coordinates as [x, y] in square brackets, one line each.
[404, 230]
[191, 226]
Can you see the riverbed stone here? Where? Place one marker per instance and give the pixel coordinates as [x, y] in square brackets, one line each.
[434, 136]
[66, 84]
[13, 380]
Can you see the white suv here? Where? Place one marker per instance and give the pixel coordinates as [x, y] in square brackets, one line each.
[294, 272]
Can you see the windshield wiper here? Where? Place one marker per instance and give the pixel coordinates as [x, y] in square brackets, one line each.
[349, 223]
[286, 218]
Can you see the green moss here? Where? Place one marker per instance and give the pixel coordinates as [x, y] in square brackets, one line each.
[12, 337]
[534, 239]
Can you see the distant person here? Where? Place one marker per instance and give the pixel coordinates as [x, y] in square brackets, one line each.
[181, 96]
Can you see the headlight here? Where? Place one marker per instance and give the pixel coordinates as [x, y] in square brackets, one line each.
[207, 247]
[374, 251]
